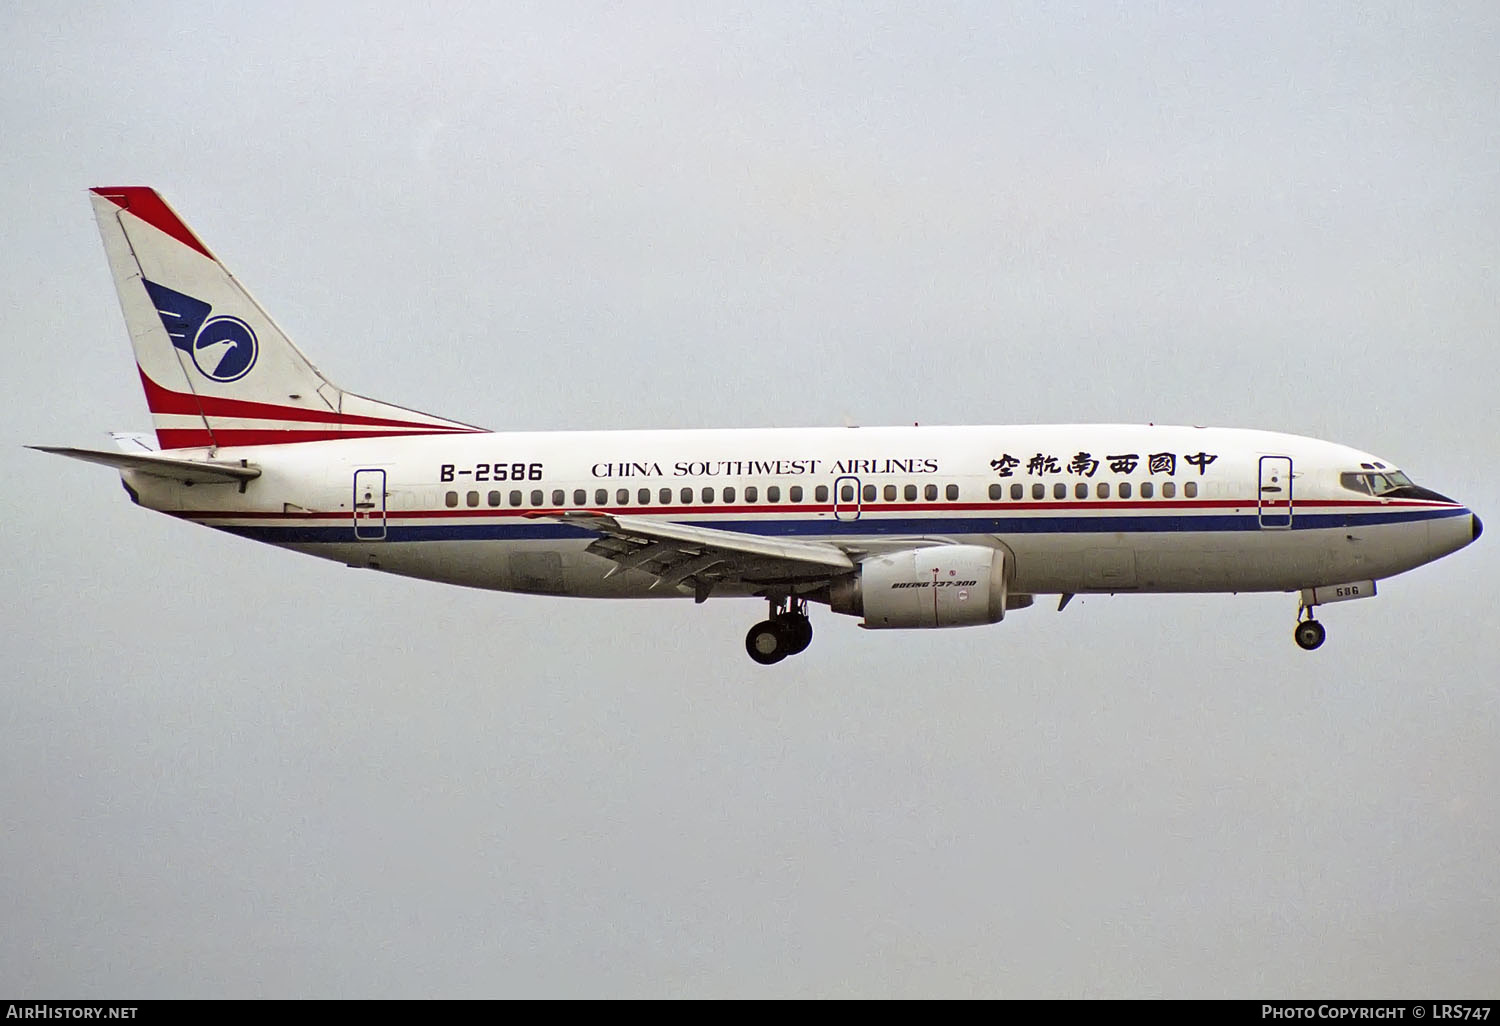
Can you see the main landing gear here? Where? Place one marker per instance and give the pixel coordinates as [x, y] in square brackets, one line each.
[1309, 632]
[786, 633]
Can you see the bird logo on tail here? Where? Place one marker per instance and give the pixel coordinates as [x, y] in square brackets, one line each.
[223, 348]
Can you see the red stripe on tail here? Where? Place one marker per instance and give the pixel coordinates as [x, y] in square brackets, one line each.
[160, 399]
[144, 203]
[224, 438]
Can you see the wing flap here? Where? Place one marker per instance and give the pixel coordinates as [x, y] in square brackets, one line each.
[173, 468]
[701, 558]
[737, 542]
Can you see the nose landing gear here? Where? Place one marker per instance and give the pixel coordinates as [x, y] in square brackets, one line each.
[786, 633]
[1309, 633]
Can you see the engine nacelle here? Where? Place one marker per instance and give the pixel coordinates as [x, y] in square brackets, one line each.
[941, 586]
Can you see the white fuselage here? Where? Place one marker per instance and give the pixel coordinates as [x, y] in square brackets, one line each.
[1077, 508]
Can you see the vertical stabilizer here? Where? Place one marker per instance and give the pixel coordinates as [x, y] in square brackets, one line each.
[216, 369]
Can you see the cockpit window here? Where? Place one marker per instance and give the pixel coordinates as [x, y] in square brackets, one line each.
[1376, 484]
[1388, 484]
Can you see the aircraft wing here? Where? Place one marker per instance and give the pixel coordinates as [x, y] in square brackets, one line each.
[173, 468]
[682, 555]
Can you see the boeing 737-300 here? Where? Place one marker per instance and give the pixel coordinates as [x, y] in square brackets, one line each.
[903, 527]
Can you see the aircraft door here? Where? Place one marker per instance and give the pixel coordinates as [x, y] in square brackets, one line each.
[846, 498]
[369, 505]
[1275, 494]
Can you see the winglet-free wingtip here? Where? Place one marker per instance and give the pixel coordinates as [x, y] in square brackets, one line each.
[144, 202]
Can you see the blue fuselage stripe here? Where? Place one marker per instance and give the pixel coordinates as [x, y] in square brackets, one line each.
[511, 529]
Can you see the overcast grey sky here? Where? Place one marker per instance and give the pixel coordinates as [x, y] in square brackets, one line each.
[233, 771]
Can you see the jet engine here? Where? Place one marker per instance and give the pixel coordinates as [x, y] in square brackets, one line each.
[941, 586]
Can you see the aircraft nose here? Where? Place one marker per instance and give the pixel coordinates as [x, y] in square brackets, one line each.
[1477, 525]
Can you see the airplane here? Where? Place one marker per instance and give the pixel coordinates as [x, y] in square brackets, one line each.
[903, 527]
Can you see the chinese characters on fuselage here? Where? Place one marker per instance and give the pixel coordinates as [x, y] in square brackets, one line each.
[1084, 464]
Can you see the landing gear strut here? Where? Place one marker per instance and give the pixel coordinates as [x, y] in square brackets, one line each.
[786, 633]
[1309, 632]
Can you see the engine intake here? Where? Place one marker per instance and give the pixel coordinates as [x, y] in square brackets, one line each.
[941, 586]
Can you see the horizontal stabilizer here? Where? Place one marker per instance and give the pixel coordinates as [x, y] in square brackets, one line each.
[173, 468]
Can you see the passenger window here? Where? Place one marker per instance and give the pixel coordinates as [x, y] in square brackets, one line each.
[558, 497]
[1038, 491]
[1146, 490]
[664, 496]
[795, 493]
[1169, 489]
[643, 496]
[1017, 490]
[494, 498]
[846, 493]
[930, 493]
[1059, 491]
[752, 493]
[890, 493]
[869, 493]
[622, 497]
[601, 497]
[729, 493]
[1103, 489]
[580, 497]
[1080, 491]
[708, 494]
[952, 491]
[687, 496]
[515, 498]
[820, 494]
[773, 494]
[1190, 490]
[473, 498]
[996, 491]
[910, 493]
[451, 499]
[1124, 489]
[536, 496]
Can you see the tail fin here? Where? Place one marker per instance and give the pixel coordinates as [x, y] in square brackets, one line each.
[216, 369]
